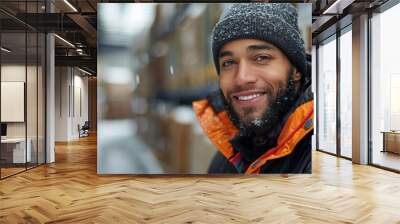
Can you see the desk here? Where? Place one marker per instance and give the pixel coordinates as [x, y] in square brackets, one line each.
[16, 147]
[391, 141]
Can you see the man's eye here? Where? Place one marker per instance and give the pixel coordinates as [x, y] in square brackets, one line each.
[262, 58]
[227, 63]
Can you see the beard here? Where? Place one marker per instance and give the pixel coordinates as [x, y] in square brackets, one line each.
[278, 105]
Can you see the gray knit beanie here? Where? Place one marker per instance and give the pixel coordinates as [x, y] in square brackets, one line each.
[275, 23]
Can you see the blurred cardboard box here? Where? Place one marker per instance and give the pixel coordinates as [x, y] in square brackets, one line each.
[201, 151]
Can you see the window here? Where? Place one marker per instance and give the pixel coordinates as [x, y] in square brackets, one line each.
[385, 89]
[346, 93]
[327, 96]
[23, 78]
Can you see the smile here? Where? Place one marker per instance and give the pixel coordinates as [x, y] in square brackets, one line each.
[248, 98]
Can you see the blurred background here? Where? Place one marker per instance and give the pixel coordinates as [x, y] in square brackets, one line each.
[153, 60]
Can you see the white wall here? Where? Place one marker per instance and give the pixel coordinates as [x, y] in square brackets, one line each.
[70, 83]
[62, 81]
[33, 126]
[80, 84]
[12, 73]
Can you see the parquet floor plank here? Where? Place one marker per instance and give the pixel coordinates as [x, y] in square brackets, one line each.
[70, 191]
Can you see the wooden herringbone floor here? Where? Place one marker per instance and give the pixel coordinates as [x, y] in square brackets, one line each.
[70, 191]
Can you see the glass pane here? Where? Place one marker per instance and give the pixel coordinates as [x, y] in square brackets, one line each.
[385, 85]
[31, 86]
[346, 94]
[41, 98]
[327, 96]
[31, 100]
[13, 86]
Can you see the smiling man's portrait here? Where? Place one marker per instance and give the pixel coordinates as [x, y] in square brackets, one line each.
[205, 88]
[261, 118]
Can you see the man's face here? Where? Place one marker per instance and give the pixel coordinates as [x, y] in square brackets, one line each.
[253, 75]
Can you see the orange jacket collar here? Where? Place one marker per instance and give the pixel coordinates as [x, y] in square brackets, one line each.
[220, 130]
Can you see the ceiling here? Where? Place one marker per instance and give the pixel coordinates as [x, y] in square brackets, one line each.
[74, 21]
[332, 15]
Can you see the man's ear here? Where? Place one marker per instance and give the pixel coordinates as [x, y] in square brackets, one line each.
[297, 75]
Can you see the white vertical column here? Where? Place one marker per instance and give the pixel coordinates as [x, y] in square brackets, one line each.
[50, 92]
[360, 90]
[314, 90]
[50, 99]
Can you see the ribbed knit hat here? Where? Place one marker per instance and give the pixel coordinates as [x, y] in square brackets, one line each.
[275, 23]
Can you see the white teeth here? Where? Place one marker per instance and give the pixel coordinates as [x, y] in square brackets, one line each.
[249, 97]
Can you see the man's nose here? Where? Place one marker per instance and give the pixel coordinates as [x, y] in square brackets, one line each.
[244, 74]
